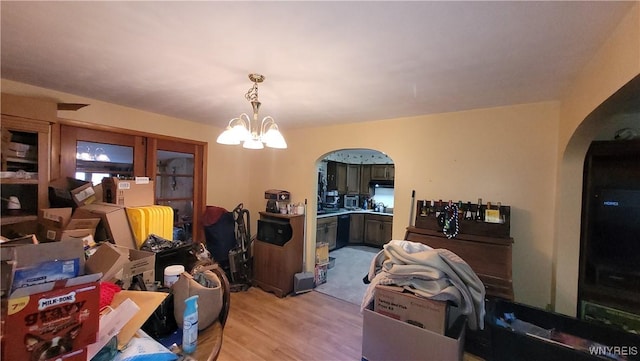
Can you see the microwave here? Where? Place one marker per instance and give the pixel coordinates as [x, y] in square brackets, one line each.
[274, 231]
[351, 201]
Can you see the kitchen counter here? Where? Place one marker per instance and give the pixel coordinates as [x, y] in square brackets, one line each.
[349, 211]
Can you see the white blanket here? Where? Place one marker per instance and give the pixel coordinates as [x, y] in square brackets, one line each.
[437, 274]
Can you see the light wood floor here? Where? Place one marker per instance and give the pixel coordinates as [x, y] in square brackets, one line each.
[309, 326]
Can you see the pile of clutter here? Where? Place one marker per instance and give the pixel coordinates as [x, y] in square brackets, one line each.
[90, 283]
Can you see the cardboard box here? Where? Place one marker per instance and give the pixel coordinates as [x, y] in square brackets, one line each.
[147, 301]
[57, 217]
[429, 314]
[321, 273]
[80, 228]
[122, 263]
[70, 192]
[21, 150]
[385, 338]
[29, 254]
[114, 224]
[83, 235]
[54, 218]
[55, 224]
[111, 324]
[17, 254]
[99, 190]
[322, 253]
[64, 313]
[130, 192]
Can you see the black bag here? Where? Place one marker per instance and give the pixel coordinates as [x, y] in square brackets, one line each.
[221, 238]
[162, 322]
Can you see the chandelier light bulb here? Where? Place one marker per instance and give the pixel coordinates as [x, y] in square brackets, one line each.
[248, 131]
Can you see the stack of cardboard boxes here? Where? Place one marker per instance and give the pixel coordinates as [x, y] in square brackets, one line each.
[322, 263]
[50, 281]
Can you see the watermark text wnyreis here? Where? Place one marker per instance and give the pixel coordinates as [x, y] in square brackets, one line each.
[614, 350]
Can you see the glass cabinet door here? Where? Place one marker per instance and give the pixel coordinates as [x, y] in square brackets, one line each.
[95, 161]
[90, 155]
[174, 188]
[24, 173]
[179, 178]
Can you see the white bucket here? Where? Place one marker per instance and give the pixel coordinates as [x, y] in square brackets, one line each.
[171, 274]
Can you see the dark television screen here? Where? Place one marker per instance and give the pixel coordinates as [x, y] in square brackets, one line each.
[616, 227]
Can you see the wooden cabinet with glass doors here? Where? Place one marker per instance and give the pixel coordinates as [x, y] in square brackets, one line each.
[24, 177]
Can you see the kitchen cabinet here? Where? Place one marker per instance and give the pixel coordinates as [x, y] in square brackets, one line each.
[356, 228]
[365, 178]
[377, 229]
[382, 171]
[341, 178]
[332, 170]
[327, 231]
[353, 179]
[25, 127]
[275, 266]
[337, 177]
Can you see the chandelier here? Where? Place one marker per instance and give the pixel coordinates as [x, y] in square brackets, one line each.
[249, 131]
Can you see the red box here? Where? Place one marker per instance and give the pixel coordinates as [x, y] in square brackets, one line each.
[54, 320]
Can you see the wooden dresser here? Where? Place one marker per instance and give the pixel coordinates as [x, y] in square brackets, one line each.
[489, 257]
[485, 246]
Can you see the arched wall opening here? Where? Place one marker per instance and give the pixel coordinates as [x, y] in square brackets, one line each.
[355, 194]
[621, 110]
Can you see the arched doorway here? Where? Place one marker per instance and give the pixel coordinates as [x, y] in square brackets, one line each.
[354, 218]
[621, 110]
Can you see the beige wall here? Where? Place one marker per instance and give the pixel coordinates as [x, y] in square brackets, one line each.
[617, 62]
[514, 155]
[501, 155]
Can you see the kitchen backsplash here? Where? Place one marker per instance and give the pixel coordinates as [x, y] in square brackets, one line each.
[384, 195]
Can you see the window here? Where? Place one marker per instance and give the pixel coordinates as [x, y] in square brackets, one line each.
[95, 161]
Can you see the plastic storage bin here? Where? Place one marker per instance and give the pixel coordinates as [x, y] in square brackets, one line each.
[148, 220]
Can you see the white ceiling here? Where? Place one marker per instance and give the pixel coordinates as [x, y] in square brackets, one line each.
[324, 62]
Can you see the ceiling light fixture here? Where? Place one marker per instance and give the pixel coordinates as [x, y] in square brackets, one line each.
[251, 133]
